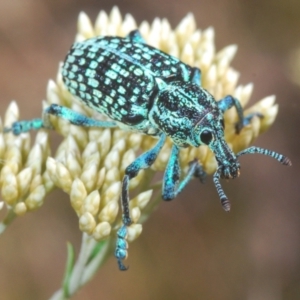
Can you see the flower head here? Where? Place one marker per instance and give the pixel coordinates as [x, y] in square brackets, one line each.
[89, 163]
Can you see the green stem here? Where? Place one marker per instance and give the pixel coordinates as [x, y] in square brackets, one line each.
[97, 262]
[85, 267]
[86, 249]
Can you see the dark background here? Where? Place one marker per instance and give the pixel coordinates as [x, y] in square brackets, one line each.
[190, 248]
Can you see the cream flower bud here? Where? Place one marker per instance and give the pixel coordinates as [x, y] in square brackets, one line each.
[112, 175]
[104, 142]
[35, 199]
[135, 214]
[92, 203]
[101, 23]
[52, 92]
[20, 209]
[85, 27]
[78, 194]
[35, 159]
[80, 135]
[51, 168]
[109, 212]
[142, 199]
[89, 178]
[127, 159]
[23, 181]
[12, 114]
[64, 177]
[90, 148]
[134, 232]
[87, 223]
[48, 183]
[115, 18]
[101, 178]
[73, 165]
[102, 231]
[10, 189]
[112, 192]
[187, 54]
[112, 159]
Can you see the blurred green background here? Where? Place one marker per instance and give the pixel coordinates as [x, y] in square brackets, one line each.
[189, 248]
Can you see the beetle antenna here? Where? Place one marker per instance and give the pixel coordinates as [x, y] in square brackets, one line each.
[223, 198]
[279, 157]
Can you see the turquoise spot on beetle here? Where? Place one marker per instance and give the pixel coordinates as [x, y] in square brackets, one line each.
[138, 72]
[74, 84]
[71, 75]
[71, 59]
[90, 73]
[74, 68]
[93, 82]
[82, 87]
[107, 81]
[80, 78]
[93, 65]
[97, 93]
[82, 61]
[78, 52]
[121, 90]
[111, 74]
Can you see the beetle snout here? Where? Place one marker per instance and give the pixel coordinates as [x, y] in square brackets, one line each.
[228, 164]
[230, 172]
[229, 168]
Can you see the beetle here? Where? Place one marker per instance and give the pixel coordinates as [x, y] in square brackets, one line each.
[143, 89]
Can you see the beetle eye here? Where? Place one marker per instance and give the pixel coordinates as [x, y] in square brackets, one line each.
[206, 137]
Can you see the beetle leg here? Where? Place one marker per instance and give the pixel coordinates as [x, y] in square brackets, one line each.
[228, 102]
[248, 118]
[196, 76]
[172, 175]
[144, 161]
[136, 37]
[75, 118]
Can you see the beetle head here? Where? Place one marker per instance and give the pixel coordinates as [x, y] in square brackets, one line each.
[210, 131]
[190, 116]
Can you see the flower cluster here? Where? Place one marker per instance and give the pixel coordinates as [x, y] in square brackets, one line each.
[89, 163]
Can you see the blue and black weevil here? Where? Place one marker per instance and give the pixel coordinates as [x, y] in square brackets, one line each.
[143, 89]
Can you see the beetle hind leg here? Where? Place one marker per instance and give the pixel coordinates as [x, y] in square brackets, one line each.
[144, 161]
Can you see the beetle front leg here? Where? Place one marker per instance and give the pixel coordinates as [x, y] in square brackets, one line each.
[63, 112]
[144, 161]
[172, 175]
[228, 102]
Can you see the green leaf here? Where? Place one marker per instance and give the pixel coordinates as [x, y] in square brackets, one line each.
[68, 269]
